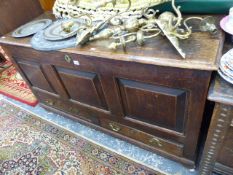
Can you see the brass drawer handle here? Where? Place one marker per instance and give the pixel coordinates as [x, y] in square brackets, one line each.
[50, 102]
[114, 127]
[155, 142]
[68, 59]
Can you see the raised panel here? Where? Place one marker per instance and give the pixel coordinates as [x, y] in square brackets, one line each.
[35, 76]
[53, 78]
[83, 87]
[153, 104]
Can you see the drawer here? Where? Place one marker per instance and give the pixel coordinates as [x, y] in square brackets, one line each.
[152, 141]
[53, 101]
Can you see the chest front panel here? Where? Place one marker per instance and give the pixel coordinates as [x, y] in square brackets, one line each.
[162, 105]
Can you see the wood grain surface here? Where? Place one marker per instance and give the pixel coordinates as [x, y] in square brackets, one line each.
[203, 51]
[149, 95]
[14, 13]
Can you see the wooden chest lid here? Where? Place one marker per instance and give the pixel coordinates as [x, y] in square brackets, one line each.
[203, 51]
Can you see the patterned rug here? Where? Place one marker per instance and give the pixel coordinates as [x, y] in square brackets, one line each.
[13, 86]
[4, 60]
[30, 145]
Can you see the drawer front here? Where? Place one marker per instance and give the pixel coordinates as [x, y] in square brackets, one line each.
[152, 141]
[65, 106]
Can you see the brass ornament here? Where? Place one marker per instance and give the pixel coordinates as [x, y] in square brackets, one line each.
[123, 29]
[208, 25]
[101, 9]
[66, 27]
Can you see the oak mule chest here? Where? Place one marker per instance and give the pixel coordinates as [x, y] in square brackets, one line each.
[148, 96]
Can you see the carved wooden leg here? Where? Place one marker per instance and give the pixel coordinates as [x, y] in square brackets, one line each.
[219, 124]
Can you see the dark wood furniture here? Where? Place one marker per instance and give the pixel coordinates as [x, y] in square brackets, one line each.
[14, 13]
[2, 58]
[149, 96]
[218, 151]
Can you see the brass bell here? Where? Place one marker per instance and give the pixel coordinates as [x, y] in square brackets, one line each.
[208, 25]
